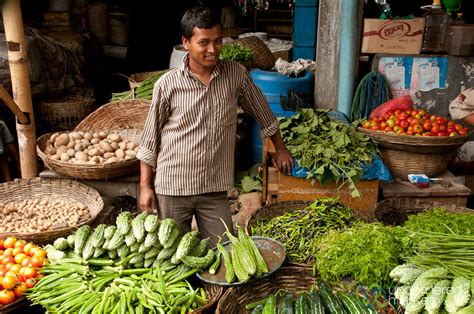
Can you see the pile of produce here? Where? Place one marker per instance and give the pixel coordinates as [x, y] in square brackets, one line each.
[330, 150]
[20, 262]
[415, 122]
[41, 214]
[142, 91]
[432, 290]
[244, 260]
[299, 231]
[442, 221]
[139, 262]
[237, 53]
[90, 148]
[321, 300]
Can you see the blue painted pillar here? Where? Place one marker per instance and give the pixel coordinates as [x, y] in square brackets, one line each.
[348, 54]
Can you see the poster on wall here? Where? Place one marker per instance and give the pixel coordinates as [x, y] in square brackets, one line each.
[407, 75]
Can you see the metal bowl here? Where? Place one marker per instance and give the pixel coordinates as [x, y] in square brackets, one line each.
[273, 253]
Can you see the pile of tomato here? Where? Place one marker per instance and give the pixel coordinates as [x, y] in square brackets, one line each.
[415, 122]
[20, 262]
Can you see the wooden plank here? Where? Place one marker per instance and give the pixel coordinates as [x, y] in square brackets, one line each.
[327, 54]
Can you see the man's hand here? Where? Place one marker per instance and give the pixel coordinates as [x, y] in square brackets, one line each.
[148, 201]
[282, 159]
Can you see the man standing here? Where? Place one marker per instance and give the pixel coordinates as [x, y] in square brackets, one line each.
[187, 147]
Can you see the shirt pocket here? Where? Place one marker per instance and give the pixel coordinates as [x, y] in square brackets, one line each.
[226, 111]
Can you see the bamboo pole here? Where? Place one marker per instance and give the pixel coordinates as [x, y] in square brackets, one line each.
[18, 60]
[8, 100]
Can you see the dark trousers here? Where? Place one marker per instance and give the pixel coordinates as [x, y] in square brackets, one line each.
[208, 208]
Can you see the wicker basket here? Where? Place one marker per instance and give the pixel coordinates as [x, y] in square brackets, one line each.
[395, 211]
[262, 56]
[403, 155]
[213, 293]
[122, 114]
[290, 278]
[19, 190]
[103, 171]
[64, 113]
[14, 307]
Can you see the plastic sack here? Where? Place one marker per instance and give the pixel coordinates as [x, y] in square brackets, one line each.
[402, 103]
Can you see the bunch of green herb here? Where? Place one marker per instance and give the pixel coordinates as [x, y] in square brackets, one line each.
[440, 220]
[142, 91]
[330, 150]
[300, 229]
[237, 53]
[365, 252]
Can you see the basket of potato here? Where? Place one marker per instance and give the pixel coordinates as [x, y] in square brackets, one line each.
[91, 155]
[42, 210]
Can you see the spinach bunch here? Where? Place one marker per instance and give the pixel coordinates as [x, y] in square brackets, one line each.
[330, 150]
[237, 53]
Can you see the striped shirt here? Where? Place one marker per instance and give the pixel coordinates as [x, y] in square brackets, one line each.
[189, 134]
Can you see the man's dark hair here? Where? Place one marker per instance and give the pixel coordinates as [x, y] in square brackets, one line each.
[200, 17]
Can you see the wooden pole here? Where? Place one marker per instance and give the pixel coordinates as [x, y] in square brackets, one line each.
[8, 100]
[18, 60]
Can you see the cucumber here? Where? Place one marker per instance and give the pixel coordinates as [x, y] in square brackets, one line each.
[270, 305]
[315, 302]
[330, 301]
[286, 305]
[302, 304]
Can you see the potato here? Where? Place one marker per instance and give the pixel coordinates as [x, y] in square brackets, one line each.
[85, 142]
[111, 160]
[120, 153]
[123, 145]
[131, 145]
[81, 132]
[115, 145]
[106, 146]
[71, 144]
[79, 147]
[54, 157]
[88, 136]
[114, 137]
[95, 159]
[81, 156]
[71, 152]
[54, 137]
[130, 153]
[95, 135]
[94, 152]
[60, 150]
[75, 136]
[62, 139]
[64, 157]
[109, 155]
[49, 150]
[128, 157]
[103, 134]
[95, 140]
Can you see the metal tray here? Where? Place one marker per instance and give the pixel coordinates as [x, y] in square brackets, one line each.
[273, 253]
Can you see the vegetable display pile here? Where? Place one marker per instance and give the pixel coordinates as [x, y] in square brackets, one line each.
[142, 91]
[365, 252]
[237, 53]
[300, 229]
[140, 262]
[90, 147]
[20, 262]
[318, 300]
[244, 260]
[330, 150]
[442, 221]
[432, 290]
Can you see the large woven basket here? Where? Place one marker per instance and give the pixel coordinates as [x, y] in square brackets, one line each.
[262, 56]
[21, 189]
[213, 293]
[404, 155]
[292, 279]
[85, 171]
[395, 211]
[121, 114]
[65, 113]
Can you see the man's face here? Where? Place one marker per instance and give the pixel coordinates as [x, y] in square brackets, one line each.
[204, 46]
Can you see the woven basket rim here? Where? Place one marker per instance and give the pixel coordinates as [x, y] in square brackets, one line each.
[14, 305]
[213, 301]
[71, 186]
[391, 137]
[85, 171]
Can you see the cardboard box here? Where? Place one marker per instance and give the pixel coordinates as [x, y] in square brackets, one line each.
[393, 36]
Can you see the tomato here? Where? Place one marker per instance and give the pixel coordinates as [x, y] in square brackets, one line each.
[414, 121]
[36, 261]
[20, 289]
[453, 134]
[8, 252]
[451, 123]
[421, 112]
[15, 268]
[418, 129]
[441, 120]
[409, 133]
[442, 128]
[8, 282]
[397, 129]
[40, 253]
[8, 260]
[20, 243]
[443, 133]
[30, 272]
[30, 282]
[383, 125]
[20, 257]
[27, 248]
[391, 123]
[462, 132]
[6, 297]
[426, 134]
[375, 127]
[435, 129]
[404, 124]
[366, 125]
[1, 244]
[458, 127]
[9, 242]
[26, 261]
[427, 126]
[433, 117]
[388, 129]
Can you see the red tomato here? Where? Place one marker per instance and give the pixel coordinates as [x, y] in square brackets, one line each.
[20, 257]
[30, 272]
[27, 248]
[442, 128]
[26, 261]
[433, 117]
[427, 126]
[404, 124]
[426, 134]
[16, 251]
[6, 297]
[20, 289]
[388, 129]
[8, 260]
[462, 132]
[418, 129]
[458, 127]
[451, 123]
[15, 268]
[8, 252]
[421, 112]
[441, 120]
[375, 127]
[20, 244]
[30, 282]
[366, 125]
[9, 242]
[9, 282]
[40, 253]
[435, 130]
[36, 261]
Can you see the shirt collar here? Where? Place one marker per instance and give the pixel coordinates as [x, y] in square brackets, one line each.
[185, 70]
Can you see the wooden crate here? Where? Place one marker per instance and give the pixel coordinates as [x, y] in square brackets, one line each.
[278, 187]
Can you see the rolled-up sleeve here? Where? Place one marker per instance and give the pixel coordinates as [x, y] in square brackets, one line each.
[151, 137]
[253, 102]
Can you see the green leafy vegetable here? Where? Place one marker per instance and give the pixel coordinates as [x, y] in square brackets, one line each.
[250, 184]
[237, 53]
[440, 220]
[330, 150]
